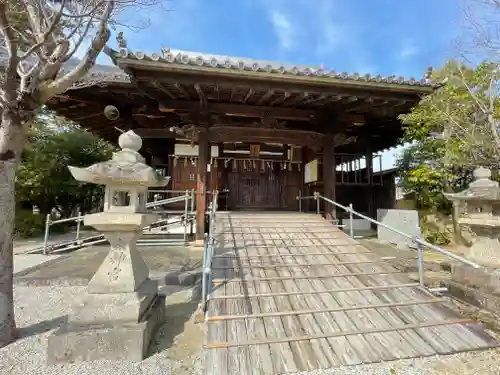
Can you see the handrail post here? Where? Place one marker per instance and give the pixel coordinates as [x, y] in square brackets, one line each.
[316, 195]
[192, 201]
[186, 203]
[204, 279]
[420, 250]
[191, 217]
[78, 224]
[46, 236]
[351, 221]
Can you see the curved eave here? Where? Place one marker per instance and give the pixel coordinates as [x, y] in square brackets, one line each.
[127, 64]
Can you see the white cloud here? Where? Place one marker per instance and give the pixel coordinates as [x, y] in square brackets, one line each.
[330, 33]
[408, 51]
[283, 29]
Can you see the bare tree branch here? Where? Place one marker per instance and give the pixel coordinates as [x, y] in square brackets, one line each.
[9, 89]
[65, 82]
[44, 38]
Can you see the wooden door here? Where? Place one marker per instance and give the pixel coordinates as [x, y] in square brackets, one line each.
[254, 190]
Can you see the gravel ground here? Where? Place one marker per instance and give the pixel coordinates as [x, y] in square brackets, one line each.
[473, 363]
[39, 310]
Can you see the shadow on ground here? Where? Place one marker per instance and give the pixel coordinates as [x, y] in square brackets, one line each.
[41, 327]
[179, 335]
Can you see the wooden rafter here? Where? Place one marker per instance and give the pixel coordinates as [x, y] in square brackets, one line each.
[264, 98]
[248, 95]
[231, 95]
[201, 95]
[217, 92]
[163, 89]
[284, 84]
[294, 101]
[240, 109]
[280, 99]
[184, 92]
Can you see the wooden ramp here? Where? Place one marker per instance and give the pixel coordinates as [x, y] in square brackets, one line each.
[293, 293]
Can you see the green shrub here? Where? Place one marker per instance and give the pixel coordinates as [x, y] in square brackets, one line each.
[28, 224]
[438, 238]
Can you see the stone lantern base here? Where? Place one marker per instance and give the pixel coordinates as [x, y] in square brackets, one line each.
[121, 309]
[117, 337]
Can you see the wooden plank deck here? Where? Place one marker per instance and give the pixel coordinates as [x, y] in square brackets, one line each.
[293, 293]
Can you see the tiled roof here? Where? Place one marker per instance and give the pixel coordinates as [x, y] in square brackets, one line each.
[179, 57]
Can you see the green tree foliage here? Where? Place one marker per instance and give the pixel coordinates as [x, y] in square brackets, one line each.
[451, 132]
[43, 178]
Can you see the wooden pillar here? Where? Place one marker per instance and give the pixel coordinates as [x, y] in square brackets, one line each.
[369, 177]
[329, 176]
[201, 183]
[307, 155]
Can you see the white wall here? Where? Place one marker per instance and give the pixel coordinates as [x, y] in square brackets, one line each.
[182, 149]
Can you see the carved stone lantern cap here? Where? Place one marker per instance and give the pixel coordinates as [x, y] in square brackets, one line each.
[126, 167]
[482, 188]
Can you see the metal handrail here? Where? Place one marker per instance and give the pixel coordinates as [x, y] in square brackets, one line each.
[188, 196]
[208, 252]
[413, 238]
[420, 243]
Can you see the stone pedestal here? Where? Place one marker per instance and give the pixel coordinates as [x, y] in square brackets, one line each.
[111, 338]
[121, 309]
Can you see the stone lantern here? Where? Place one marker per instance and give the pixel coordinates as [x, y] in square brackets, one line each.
[122, 306]
[482, 215]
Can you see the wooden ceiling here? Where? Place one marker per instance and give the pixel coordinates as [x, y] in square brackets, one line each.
[153, 100]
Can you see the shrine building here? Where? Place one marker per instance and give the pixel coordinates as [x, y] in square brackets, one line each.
[261, 133]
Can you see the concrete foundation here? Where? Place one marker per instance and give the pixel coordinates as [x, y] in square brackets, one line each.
[112, 339]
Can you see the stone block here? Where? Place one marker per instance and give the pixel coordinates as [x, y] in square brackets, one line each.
[475, 297]
[405, 221]
[477, 286]
[118, 306]
[109, 340]
[484, 279]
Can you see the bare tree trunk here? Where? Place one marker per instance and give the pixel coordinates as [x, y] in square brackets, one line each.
[11, 145]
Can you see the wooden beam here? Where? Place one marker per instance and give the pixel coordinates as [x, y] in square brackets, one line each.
[263, 265]
[329, 175]
[163, 89]
[248, 95]
[217, 92]
[320, 291]
[201, 183]
[264, 98]
[201, 95]
[240, 109]
[326, 310]
[286, 82]
[299, 98]
[230, 256]
[179, 87]
[287, 246]
[280, 99]
[263, 135]
[278, 278]
[221, 134]
[367, 331]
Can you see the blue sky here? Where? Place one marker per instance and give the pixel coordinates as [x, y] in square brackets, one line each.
[401, 37]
